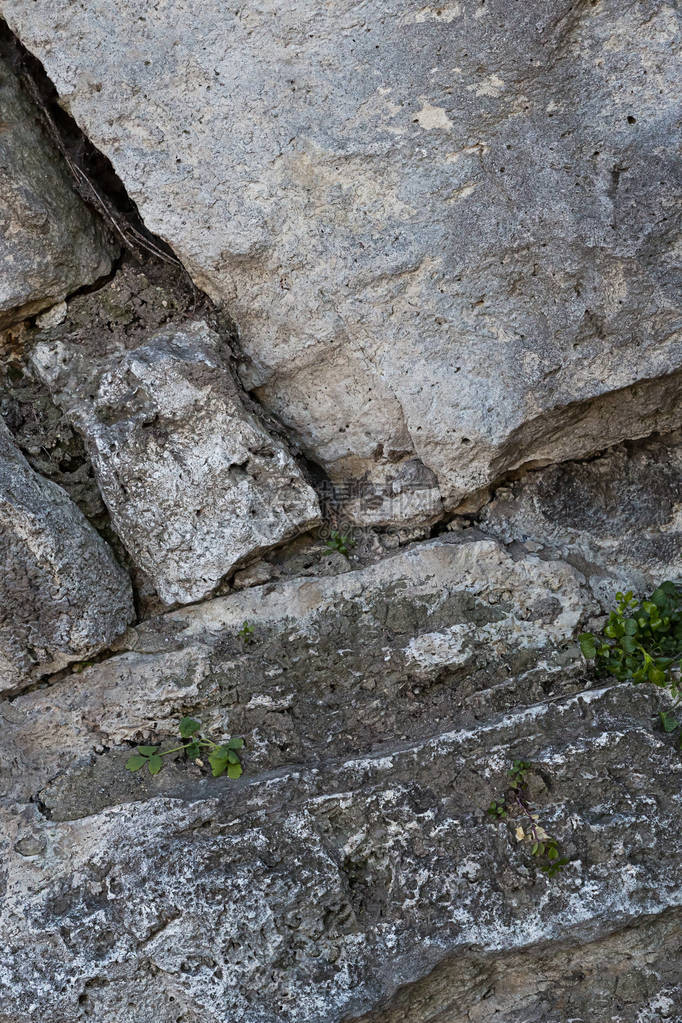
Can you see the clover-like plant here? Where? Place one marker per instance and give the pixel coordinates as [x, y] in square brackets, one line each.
[246, 633]
[223, 757]
[516, 803]
[642, 640]
[339, 543]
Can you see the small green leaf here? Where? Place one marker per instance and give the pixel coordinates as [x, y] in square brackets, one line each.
[669, 722]
[193, 749]
[235, 771]
[218, 760]
[246, 632]
[155, 764]
[236, 743]
[134, 763]
[147, 751]
[188, 727]
[588, 646]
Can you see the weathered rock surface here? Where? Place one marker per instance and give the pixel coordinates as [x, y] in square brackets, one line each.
[193, 482]
[632, 975]
[394, 200]
[133, 304]
[63, 596]
[381, 710]
[432, 636]
[617, 518]
[50, 244]
[447, 236]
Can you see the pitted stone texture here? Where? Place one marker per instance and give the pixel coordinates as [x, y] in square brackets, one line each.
[64, 597]
[50, 244]
[193, 482]
[631, 976]
[445, 233]
[617, 518]
[311, 895]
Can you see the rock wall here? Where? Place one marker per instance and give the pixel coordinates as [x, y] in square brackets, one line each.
[393, 200]
[340, 391]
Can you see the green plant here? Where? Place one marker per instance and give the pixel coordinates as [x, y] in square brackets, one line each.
[223, 757]
[642, 640]
[340, 543]
[246, 633]
[516, 803]
[669, 723]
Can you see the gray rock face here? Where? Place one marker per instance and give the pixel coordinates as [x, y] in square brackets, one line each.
[50, 244]
[631, 975]
[63, 595]
[393, 201]
[381, 709]
[432, 636]
[446, 233]
[617, 518]
[192, 480]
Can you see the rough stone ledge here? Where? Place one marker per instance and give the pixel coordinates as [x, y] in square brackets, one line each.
[633, 972]
[446, 633]
[340, 882]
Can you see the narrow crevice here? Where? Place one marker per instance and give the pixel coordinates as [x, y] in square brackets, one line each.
[94, 178]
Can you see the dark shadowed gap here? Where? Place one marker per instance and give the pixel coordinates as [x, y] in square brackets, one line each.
[94, 177]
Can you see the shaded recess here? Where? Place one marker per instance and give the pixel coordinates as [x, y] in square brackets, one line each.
[94, 177]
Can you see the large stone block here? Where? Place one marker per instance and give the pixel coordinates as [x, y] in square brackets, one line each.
[446, 232]
[50, 243]
[193, 482]
[63, 596]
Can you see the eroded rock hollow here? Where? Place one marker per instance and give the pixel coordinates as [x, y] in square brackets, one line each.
[340, 395]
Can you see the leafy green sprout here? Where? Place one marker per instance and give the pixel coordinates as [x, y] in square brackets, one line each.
[246, 633]
[223, 757]
[670, 724]
[339, 543]
[642, 640]
[497, 809]
[517, 803]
